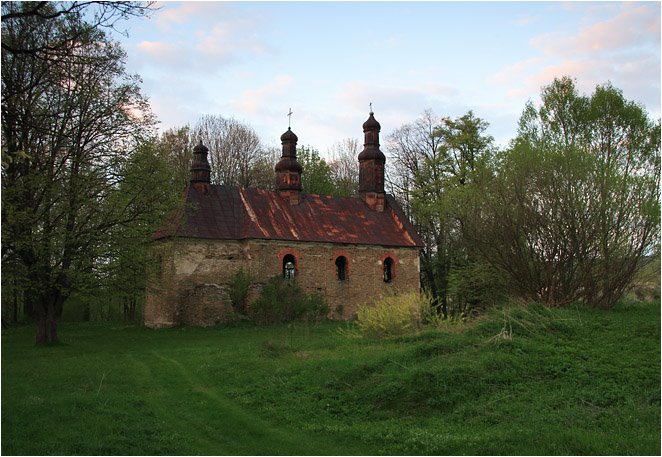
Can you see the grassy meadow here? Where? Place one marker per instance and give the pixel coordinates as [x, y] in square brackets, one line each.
[518, 381]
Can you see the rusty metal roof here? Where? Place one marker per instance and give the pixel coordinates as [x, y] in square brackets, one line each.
[232, 213]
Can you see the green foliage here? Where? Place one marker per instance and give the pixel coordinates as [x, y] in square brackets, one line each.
[147, 189]
[316, 175]
[72, 120]
[390, 315]
[475, 287]
[238, 290]
[447, 159]
[283, 300]
[574, 203]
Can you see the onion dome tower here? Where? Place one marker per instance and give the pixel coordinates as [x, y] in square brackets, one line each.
[371, 166]
[288, 170]
[200, 169]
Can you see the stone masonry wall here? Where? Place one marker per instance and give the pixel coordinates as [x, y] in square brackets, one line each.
[191, 287]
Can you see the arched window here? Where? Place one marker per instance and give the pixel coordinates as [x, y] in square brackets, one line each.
[341, 267]
[388, 269]
[289, 266]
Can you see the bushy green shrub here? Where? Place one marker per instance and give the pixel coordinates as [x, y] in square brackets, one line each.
[474, 288]
[282, 300]
[238, 290]
[391, 315]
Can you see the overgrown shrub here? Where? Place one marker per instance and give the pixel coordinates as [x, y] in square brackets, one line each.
[238, 290]
[646, 283]
[282, 300]
[474, 288]
[432, 317]
[391, 315]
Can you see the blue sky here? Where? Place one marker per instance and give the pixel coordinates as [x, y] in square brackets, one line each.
[328, 60]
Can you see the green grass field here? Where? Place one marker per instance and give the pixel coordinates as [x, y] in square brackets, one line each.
[518, 381]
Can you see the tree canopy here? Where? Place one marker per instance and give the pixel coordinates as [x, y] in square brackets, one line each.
[574, 206]
[71, 116]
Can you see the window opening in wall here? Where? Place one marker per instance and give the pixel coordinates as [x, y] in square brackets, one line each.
[388, 269]
[289, 265]
[341, 267]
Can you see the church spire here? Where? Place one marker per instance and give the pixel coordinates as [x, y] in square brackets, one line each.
[371, 166]
[200, 169]
[288, 170]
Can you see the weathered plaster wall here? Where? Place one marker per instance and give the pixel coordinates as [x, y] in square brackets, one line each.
[191, 287]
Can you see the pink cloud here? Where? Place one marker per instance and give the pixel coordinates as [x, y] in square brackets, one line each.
[185, 12]
[208, 31]
[515, 72]
[171, 55]
[156, 48]
[255, 100]
[227, 40]
[525, 20]
[623, 49]
[634, 26]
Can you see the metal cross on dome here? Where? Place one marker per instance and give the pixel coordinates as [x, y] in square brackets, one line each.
[289, 118]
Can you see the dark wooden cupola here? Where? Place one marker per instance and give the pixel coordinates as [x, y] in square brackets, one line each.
[200, 169]
[371, 166]
[288, 170]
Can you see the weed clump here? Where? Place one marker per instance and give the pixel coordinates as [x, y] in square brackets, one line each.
[391, 315]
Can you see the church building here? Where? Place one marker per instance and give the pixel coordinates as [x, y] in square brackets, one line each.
[351, 250]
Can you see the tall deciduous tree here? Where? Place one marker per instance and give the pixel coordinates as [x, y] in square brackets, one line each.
[408, 148]
[149, 187]
[70, 117]
[345, 166]
[100, 14]
[461, 144]
[575, 205]
[316, 177]
[175, 146]
[431, 161]
[236, 154]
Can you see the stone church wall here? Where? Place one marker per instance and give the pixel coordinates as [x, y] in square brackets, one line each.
[191, 285]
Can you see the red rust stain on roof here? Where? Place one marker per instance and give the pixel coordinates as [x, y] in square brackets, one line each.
[232, 213]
